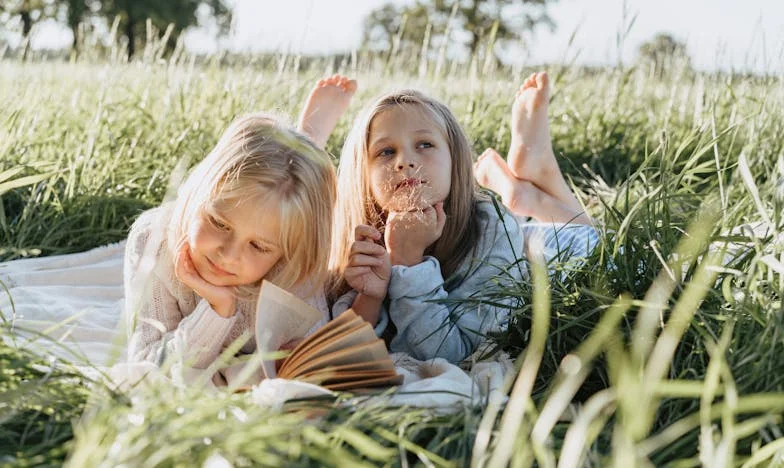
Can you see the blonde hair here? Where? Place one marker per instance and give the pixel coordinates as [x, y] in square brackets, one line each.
[258, 157]
[356, 204]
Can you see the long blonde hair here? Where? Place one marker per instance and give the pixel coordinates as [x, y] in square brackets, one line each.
[356, 205]
[258, 157]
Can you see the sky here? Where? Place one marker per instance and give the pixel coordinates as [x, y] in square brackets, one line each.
[726, 34]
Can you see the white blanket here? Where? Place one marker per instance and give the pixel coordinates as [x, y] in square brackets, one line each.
[76, 302]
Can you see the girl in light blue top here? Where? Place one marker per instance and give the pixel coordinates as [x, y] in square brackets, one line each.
[414, 238]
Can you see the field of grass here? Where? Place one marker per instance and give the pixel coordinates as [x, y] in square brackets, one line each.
[670, 348]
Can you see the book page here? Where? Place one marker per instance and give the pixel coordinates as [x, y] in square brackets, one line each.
[364, 383]
[325, 378]
[362, 333]
[280, 318]
[380, 365]
[300, 354]
[355, 354]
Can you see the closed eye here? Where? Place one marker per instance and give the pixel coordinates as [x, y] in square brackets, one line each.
[259, 248]
[218, 224]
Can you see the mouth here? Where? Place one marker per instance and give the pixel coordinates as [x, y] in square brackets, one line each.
[216, 269]
[408, 183]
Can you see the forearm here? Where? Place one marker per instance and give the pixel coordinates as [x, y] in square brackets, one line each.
[428, 330]
[198, 338]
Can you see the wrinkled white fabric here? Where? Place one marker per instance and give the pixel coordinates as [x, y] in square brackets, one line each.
[77, 300]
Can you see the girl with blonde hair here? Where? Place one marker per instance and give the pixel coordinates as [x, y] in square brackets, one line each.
[259, 206]
[412, 233]
[415, 243]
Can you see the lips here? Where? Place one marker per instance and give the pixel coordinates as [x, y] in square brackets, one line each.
[406, 183]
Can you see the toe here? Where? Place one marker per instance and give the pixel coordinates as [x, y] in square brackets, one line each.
[542, 80]
[529, 82]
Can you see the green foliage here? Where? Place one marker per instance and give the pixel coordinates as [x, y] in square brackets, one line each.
[39, 402]
[180, 14]
[669, 348]
[430, 25]
[662, 53]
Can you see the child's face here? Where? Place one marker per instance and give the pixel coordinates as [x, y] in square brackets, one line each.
[235, 244]
[408, 159]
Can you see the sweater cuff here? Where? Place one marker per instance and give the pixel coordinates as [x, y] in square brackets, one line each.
[414, 281]
[205, 332]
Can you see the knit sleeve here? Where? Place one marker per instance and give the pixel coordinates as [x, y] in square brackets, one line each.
[160, 326]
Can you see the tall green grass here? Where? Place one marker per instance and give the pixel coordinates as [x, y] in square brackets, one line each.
[664, 346]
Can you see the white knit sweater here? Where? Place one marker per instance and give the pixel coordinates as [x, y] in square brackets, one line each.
[169, 318]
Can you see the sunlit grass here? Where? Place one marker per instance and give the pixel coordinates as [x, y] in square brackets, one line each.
[664, 346]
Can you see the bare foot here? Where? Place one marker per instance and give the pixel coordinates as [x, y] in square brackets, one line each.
[522, 197]
[531, 153]
[327, 102]
[491, 172]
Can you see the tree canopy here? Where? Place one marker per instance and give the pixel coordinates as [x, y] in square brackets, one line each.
[468, 23]
[132, 15]
[181, 13]
[662, 53]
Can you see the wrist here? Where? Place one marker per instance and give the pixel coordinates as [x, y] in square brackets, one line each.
[406, 258]
[225, 309]
[367, 307]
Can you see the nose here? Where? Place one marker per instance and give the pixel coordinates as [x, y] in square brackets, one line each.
[229, 252]
[404, 160]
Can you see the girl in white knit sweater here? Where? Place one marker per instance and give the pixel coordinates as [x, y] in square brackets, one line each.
[259, 206]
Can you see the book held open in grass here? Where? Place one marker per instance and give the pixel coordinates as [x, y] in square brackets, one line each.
[344, 354]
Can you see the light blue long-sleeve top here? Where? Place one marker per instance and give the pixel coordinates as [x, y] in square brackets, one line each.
[426, 311]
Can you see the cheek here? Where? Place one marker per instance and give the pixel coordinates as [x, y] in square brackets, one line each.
[380, 183]
[200, 237]
[262, 267]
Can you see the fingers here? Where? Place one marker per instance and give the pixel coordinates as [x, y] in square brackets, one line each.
[364, 232]
[356, 277]
[367, 248]
[365, 260]
[185, 270]
[183, 264]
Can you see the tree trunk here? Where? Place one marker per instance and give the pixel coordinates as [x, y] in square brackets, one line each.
[75, 43]
[76, 10]
[130, 28]
[27, 26]
[471, 20]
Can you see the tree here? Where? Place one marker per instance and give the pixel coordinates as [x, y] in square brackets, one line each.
[28, 12]
[383, 25]
[133, 15]
[476, 20]
[662, 53]
[76, 12]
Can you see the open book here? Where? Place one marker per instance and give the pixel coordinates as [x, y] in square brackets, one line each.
[344, 354]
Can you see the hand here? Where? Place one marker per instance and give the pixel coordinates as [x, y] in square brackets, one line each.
[368, 267]
[409, 233]
[221, 298]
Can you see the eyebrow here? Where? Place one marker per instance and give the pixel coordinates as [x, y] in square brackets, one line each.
[384, 138]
